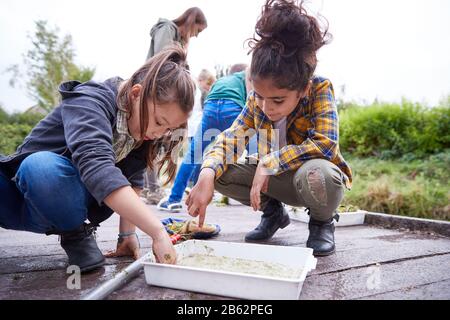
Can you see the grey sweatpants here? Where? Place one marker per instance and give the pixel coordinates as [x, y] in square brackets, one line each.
[318, 184]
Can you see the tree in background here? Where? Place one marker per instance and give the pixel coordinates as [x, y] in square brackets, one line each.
[49, 62]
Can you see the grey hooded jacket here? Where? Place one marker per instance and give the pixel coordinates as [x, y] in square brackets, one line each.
[162, 34]
[81, 129]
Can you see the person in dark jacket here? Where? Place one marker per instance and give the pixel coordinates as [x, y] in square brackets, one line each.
[82, 162]
[166, 32]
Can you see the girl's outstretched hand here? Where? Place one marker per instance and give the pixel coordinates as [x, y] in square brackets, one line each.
[201, 195]
[163, 249]
[126, 247]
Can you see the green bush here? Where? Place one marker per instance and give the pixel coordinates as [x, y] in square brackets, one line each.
[12, 135]
[30, 119]
[394, 130]
[14, 128]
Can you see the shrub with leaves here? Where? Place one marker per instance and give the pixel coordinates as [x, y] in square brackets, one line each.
[11, 136]
[395, 130]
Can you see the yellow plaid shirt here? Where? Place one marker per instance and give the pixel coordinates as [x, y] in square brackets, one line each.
[312, 133]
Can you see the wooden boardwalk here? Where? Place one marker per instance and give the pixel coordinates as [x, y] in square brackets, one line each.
[370, 262]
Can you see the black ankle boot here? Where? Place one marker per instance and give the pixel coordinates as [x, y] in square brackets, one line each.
[321, 236]
[82, 249]
[274, 218]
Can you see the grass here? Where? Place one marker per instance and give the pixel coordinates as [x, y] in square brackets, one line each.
[417, 188]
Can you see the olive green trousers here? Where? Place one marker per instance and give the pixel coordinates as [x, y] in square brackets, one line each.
[318, 185]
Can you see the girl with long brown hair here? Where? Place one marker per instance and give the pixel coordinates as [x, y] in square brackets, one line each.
[166, 32]
[82, 162]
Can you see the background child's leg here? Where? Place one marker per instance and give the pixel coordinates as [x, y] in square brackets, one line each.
[54, 196]
[181, 181]
[195, 174]
[182, 177]
[192, 160]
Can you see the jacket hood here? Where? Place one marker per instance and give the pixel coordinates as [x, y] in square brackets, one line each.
[161, 23]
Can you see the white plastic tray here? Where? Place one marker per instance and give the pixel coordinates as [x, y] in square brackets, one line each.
[230, 284]
[345, 218]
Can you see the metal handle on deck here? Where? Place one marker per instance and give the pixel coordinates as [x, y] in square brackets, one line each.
[108, 287]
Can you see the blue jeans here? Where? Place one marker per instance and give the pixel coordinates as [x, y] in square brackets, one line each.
[218, 115]
[48, 196]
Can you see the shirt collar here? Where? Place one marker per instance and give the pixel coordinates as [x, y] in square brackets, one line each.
[122, 123]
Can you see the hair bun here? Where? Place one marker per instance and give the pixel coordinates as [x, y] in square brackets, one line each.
[285, 26]
[284, 47]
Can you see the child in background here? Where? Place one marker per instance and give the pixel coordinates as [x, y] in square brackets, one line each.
[204, 82]
[179, 31]
[165, 33]
[222, 106]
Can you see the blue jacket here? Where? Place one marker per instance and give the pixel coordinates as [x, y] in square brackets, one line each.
[81, 129]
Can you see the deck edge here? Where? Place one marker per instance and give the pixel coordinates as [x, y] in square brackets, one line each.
[413, 224]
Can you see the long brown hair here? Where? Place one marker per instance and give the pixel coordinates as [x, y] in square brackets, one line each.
[285, 45]
[165, 78]
[188, 19]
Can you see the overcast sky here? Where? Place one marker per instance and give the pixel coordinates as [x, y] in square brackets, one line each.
[381, 49]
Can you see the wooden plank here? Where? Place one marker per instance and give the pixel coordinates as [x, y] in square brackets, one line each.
[439, 290]
[373, 252]
[56, 249]
[409, 223]
[52, 284]
[365, 245]
[348, 260]
[33, 266]
[350, 253]
[350, 284]
[138, 289]
[363, 282]
[44, 263]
